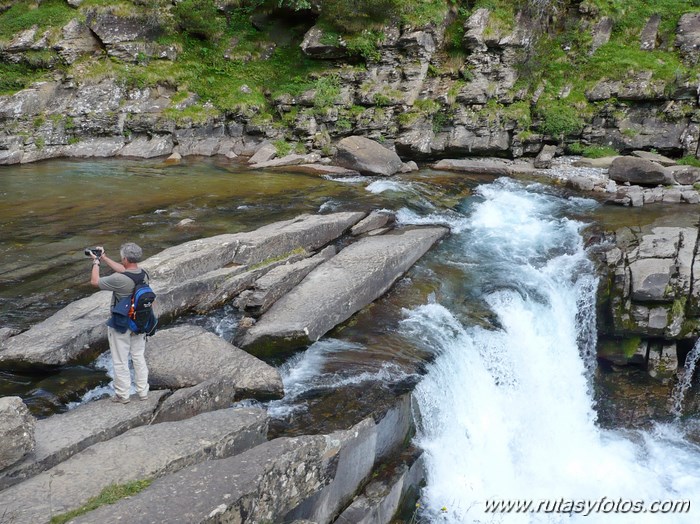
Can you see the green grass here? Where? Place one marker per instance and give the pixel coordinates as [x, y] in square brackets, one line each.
[109, 495]
[690, 161]
[14, 77]
[25, 14]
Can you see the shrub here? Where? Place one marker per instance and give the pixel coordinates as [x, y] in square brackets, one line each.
[559, 119]
[353, 16]
[198, 18]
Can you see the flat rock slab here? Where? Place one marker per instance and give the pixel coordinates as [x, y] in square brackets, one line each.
[367, 156]
[179, 276]
[17, 427]
[323, 170]
[141, 453]
[185, 356]
[337, 289]
[62, 436]
[483, 167]
[260, 485]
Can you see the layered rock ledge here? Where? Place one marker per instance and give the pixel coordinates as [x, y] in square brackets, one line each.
[331, 293]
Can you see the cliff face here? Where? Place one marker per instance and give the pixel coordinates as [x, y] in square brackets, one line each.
[465, 83]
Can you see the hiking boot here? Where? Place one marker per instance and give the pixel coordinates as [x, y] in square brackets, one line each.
[143, 397]
[120, 400]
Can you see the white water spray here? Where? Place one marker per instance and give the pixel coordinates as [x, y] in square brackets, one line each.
[507, 414]
[686, 380]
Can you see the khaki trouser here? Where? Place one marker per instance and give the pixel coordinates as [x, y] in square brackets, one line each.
[120, 345]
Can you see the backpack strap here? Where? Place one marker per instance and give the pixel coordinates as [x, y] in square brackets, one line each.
[138, 278]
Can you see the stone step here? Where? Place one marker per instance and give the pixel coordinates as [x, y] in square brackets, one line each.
[141, 453]
[61, 436]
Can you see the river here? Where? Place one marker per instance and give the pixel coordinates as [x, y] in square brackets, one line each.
[494, 328]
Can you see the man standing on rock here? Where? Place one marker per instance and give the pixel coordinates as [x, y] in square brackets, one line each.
[123, 341]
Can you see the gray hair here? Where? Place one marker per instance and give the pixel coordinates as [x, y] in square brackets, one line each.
[131, 252]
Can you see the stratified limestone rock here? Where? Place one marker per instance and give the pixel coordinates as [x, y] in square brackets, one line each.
[314, 45]
[195, 273]
[375, 220]
[334, 291]
[544, 158]
[302, 479]
[688, 37]
[185, 356]
[61, 436]
[141, 453]
[367, 156]
[16, 431]
[217, 393]
[144, 147]
[277, 282]
[380, 500]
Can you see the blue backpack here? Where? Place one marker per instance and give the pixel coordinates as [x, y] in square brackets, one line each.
[142, 319]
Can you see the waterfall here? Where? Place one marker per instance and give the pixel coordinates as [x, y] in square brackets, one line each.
[683, 385]
[507, 413]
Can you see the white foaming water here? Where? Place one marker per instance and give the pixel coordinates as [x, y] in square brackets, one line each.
[380, 186]
[305, 372]
[507, 414]
[683, 385]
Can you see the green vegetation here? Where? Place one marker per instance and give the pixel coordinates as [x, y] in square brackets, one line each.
[26, 14]
[109, 495]
[592, 151]
[237, 68]
[690, 161]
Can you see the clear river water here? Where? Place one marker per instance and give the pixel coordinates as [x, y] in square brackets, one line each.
[494, 329]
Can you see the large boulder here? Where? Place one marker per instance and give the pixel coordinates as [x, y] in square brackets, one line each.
[335, 290]
[16, 431]
[185, 356]
[367, 156]
[639, 171]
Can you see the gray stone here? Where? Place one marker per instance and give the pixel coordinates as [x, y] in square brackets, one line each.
[77, 40]
[650, 33]
[63, 435]
[688, 37]
[604, 162]
[477, 167]
[690, 196]
[601, 33]
[367, 156]
[16, 431]
[544, 158]
[145, 147]
[213, 394]
[337, 289]
[323, 170]
[663, 242]
[663, 361]
[655, 157]
[380, 500]
[650, 279]
[314, 45]
[264, 153]
[375, 220]
[672, 196]
[278, 281]
[185, 356]
[259, 485]
[141, 453]
[288, 160]
[685, 175]
[638, 171]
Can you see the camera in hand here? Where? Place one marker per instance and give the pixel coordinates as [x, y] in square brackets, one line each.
[94, 251]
